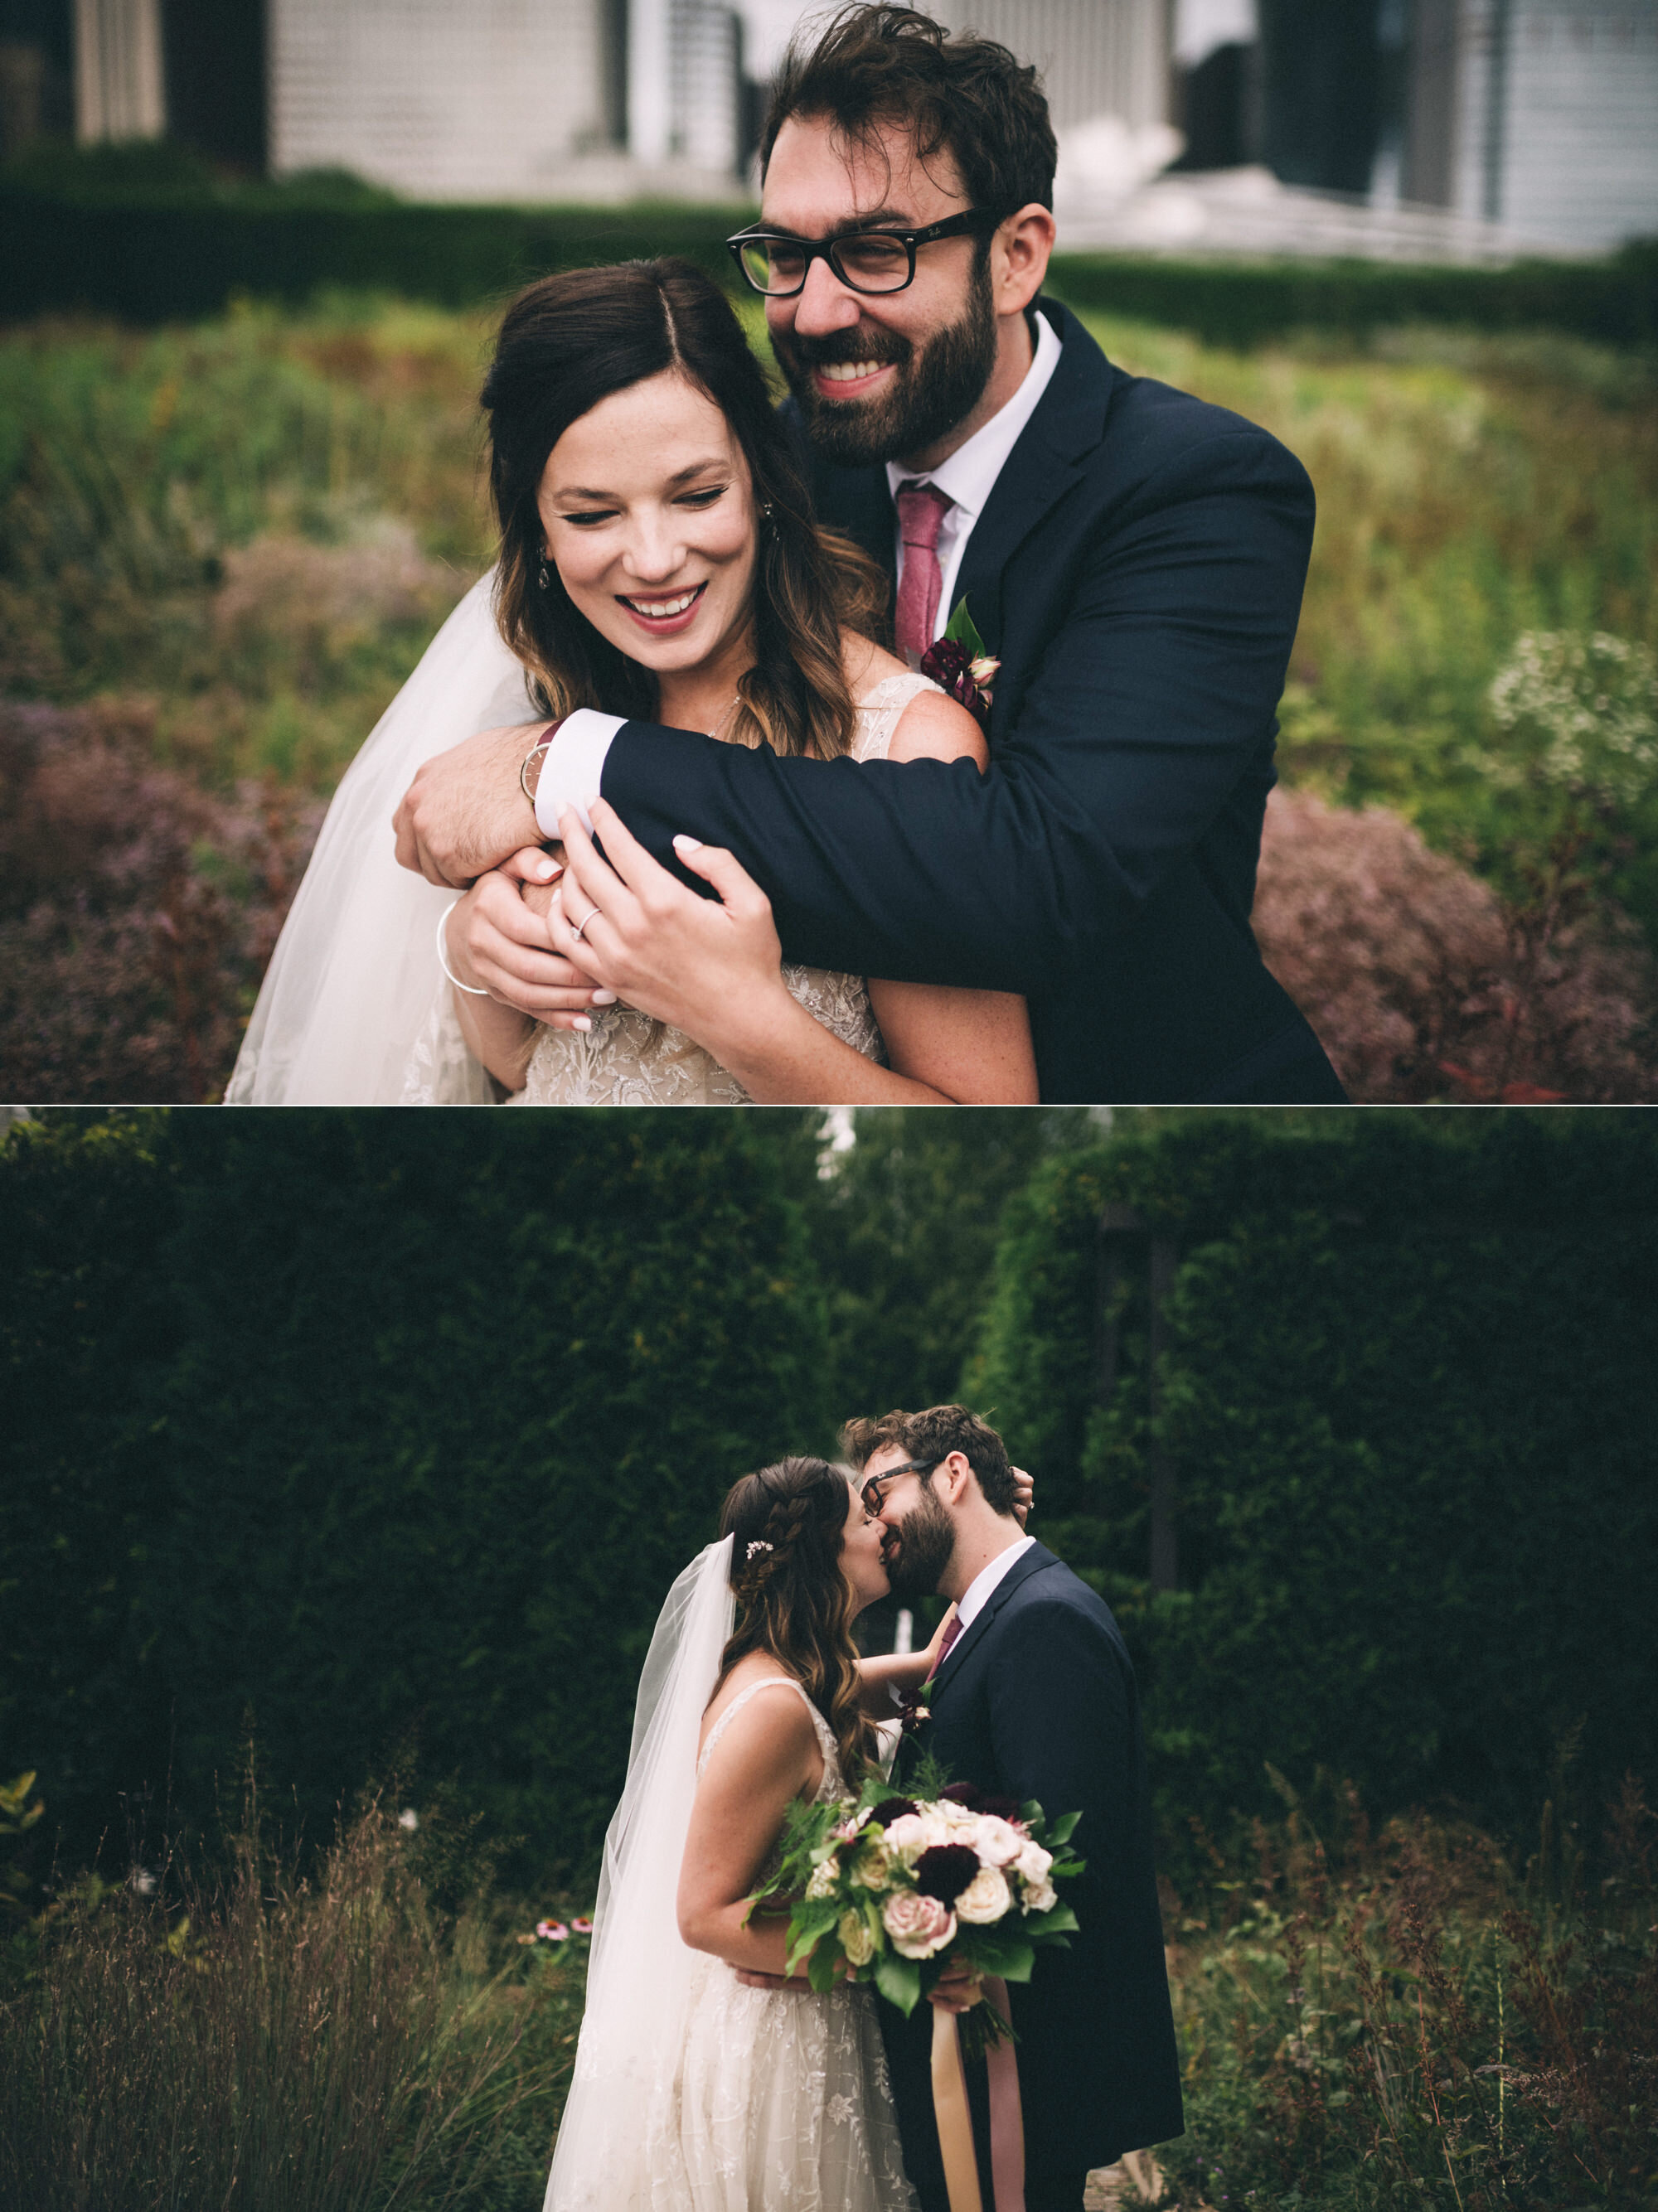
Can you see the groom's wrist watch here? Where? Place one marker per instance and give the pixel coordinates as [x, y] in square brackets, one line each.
[529, 775]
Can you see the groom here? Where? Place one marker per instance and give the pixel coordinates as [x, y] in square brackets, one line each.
[1034, 1697]
[1133, 558]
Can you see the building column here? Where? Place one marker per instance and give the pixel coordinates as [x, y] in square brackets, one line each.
[119, 81]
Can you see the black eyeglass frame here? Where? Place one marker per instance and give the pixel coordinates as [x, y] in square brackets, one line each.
[921, 1467]
[973, 222]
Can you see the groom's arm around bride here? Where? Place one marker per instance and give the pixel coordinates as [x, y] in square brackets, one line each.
[1034, 1699]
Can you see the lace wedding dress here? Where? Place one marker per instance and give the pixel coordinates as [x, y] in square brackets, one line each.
[629, 1059]
[782, 2102]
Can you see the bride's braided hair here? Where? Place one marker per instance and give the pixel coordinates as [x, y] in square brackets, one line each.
[786, 1523]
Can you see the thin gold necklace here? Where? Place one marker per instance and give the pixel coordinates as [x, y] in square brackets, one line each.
[718, 730]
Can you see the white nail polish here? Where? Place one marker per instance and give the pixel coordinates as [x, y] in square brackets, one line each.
[604, 998]
[687, 844]
[581, 1023]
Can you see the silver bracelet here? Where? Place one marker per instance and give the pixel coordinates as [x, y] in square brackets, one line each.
[472, 990]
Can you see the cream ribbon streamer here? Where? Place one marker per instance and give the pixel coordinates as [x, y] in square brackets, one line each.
[955, 2130]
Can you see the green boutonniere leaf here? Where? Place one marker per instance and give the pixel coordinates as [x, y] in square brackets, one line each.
[963, 631]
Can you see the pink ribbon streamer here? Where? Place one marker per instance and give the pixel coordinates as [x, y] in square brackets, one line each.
[1007, 2118]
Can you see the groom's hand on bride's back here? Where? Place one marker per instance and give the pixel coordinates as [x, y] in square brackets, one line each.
[466, 810]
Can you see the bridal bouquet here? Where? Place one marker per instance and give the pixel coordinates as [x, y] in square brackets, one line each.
[887, 1889]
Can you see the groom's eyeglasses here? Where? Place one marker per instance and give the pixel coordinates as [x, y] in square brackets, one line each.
[874, 1490]
[872, 261]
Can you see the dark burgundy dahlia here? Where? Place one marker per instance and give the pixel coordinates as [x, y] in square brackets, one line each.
[945, 1871]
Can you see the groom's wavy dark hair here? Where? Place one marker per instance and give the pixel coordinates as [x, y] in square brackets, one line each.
[877, 63]
[793, 1599]
[577, 337]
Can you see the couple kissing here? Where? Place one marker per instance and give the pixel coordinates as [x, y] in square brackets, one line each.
[709, 2077]
[909, 742]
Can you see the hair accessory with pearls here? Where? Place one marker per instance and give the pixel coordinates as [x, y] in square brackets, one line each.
[759, 1544]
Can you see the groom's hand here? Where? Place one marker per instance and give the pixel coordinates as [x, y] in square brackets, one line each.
[466, 810]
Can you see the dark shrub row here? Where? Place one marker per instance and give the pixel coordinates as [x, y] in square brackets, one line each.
[156, 254]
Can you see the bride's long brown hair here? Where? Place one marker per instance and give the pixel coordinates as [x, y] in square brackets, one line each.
[574, 339]
[793, 1599]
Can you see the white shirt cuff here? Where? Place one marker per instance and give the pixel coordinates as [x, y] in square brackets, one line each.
[574, 769]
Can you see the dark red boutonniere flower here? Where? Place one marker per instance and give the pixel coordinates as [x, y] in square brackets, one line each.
[959, 665]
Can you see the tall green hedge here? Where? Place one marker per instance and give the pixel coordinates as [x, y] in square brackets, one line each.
[385, 1433]
[1410, 1396]
[157, 260]
[152, 240]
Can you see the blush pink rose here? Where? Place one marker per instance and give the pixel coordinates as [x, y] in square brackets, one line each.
[919, 1926]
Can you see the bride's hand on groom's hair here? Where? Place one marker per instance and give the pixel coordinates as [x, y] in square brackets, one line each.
[466, 810]
[1024, 1495]
[497, 940]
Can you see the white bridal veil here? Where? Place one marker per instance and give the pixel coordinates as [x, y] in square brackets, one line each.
[354, 1009]
[639, 1974]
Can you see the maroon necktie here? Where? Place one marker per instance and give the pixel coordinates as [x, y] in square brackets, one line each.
[921, 581]
[950, 1635]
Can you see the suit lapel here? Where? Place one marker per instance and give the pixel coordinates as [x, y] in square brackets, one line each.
[1068, 423]
[1027, 1564]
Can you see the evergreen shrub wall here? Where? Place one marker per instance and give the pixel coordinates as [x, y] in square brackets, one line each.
[383, 1433]
[142, 234]
[1409, 1393]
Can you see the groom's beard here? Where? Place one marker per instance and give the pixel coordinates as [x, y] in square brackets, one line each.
[934, 388]
[926, 1544]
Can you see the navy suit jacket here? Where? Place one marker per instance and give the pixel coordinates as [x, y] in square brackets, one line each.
[1037, 1700]
[1138, 570]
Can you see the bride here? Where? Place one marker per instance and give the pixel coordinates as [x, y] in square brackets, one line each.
[694, 2092]
[658, 558]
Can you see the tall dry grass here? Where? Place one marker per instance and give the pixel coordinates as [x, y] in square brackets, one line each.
[282, 2043]
[1409, 2019]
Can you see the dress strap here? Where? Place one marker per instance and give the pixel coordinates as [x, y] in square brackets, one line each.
[880, 708]
[819, 1726]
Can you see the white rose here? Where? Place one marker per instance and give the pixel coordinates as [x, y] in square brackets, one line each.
[998, 1843]
[856, 1938]
[823, 1880]
[1033, 1863]
[986, 1898]
[905, 1837]
[1040, 1896]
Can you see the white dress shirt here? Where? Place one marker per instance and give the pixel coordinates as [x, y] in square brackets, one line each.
[969, 475]
[575, 765]
[982, 1588]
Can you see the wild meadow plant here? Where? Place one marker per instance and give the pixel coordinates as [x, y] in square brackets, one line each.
[1371, 2022]
[325, 2042]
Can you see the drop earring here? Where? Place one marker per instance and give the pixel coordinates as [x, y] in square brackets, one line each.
[544, 581]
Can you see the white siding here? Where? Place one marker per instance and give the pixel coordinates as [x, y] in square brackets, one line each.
[486, 101]
[1095, 57]
[1575, 146]
[118, 70]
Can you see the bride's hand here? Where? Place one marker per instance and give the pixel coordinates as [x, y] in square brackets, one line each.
[1024, 1495]
[711, 966]
[496, 940]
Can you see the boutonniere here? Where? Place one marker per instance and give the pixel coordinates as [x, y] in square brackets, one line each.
[914, 1706]
[959, 665]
